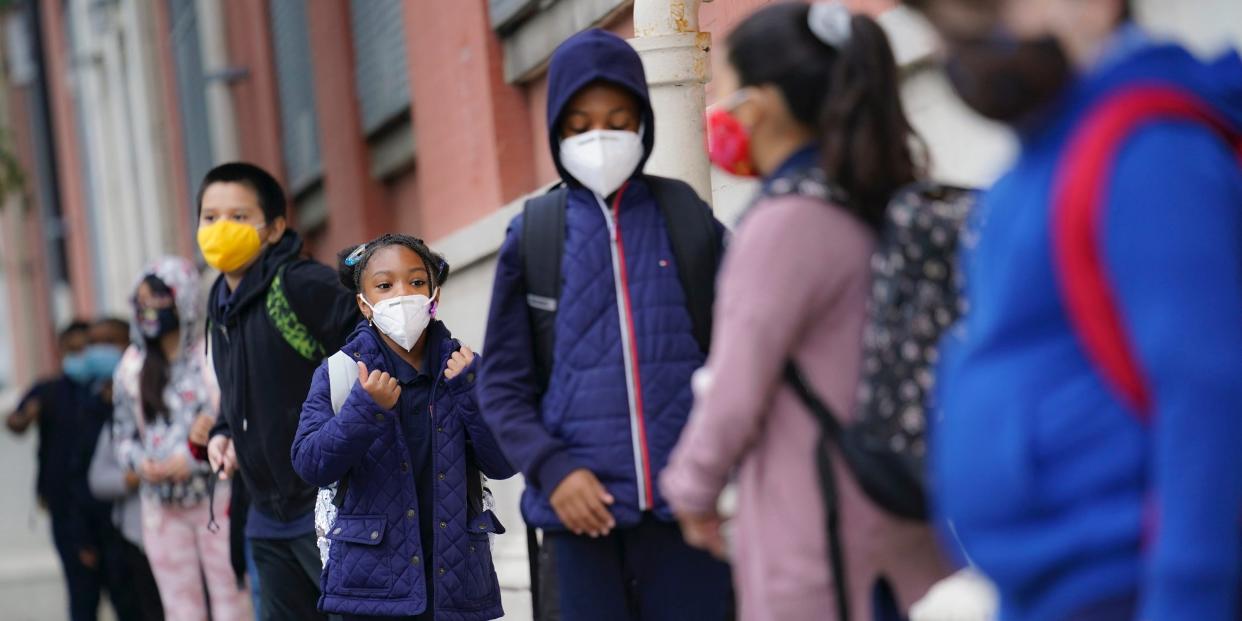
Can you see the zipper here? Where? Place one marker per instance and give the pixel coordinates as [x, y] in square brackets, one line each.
[629, 352]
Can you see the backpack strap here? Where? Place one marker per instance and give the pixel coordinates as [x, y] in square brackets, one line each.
[542, 245]
[287, 323]
[342, 375]
[1080, 198]
[696, 242]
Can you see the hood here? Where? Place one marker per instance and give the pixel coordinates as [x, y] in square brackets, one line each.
[257, 279]
[584, 58]
[181, 275]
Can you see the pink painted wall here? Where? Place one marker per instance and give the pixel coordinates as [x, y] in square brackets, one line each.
[72, 193]
[356, 206]
[468, 124]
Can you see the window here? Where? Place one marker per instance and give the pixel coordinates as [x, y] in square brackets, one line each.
[191, 97]
[296, 84]
[380, 70]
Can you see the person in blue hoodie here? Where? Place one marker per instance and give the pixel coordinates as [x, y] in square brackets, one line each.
[593, 440]
[1078, 501]
[411, 538]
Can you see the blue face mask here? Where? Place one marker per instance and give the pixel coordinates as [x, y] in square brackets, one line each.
[101, 361]
[77, 367]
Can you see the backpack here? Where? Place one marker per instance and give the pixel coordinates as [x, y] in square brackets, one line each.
[1078, 201]
[342, 375]
[696, 240]
[693, 235]
[916, 298]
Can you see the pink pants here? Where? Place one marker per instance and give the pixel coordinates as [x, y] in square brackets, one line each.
[183, 553]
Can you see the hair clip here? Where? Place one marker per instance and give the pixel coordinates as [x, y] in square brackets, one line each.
[830, 22]
[355, 256]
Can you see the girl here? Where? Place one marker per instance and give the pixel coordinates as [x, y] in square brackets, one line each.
[164, 387]
[818, 100]
[410, 539]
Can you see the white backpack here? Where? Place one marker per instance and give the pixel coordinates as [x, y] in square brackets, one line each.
[342, 375]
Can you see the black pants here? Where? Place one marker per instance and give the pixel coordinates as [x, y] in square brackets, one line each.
[289, 571]
[646, 572]
[90, 528]
[142, 583]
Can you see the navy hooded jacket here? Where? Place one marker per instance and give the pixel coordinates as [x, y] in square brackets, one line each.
[624, 348]
[1056, 489]
[376, 563]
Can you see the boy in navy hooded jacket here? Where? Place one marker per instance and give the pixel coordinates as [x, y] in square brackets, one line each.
[1079, 502]
[594, 441]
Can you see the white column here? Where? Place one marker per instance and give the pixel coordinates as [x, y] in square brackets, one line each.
[674, 55]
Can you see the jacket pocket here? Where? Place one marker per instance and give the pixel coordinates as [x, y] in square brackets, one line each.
[481, 583]
[357, 562]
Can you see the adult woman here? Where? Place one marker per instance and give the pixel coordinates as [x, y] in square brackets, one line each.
[818, 115]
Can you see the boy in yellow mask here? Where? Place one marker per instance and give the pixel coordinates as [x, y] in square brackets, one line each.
[272, 316]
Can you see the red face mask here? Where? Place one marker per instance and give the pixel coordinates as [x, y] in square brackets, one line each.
[728, 143]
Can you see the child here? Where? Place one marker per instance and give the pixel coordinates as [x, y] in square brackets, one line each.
[591, 412]
[164, 386]
[272, 316]
[411, 537]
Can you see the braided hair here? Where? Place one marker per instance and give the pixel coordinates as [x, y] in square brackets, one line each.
[352, 261]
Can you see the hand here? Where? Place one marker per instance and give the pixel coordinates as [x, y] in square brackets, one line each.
[152, 471]
[20, 420]
[105, 392]
[177, 468]
[382, 387]
[132, 480]
[460, 359]
[89, 557]
[222, 456]
[581, 502]
[200, 429]
[703, 532]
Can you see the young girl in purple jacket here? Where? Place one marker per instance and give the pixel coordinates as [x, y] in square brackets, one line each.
[407, 447]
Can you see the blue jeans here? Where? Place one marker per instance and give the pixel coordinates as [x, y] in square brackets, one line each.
[253, 572]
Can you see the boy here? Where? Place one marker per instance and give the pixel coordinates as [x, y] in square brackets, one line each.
[587, 382]
[273, 316]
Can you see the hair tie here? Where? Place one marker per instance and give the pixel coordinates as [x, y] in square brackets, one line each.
[355, 256]
[830, 22]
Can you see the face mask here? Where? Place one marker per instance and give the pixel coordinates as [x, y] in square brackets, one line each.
[154, 323]
[228, 246]
[404, 318]
[77, 368]
[728, 144]
[101, 361]
[602, 159]
[1006, 79]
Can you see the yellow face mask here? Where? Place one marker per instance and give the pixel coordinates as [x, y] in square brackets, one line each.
[228, 246]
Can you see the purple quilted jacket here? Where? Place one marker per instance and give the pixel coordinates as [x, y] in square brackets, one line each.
[375, 566]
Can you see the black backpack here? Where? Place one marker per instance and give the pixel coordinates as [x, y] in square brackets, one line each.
[692, 232]
[696, 241]
[916, 298]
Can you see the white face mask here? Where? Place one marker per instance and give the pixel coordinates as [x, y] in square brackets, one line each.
[602, 159]
[404, 318]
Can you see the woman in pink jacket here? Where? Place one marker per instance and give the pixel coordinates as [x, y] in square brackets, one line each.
[818, 115]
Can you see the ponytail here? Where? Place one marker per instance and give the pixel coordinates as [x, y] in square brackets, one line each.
[867, 140]
[838, 76]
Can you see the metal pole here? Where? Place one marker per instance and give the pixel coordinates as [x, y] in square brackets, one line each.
[675, 58]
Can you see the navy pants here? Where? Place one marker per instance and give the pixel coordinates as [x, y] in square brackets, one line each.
[78, 528]
[642, 573]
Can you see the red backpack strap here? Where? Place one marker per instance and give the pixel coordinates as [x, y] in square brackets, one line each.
[1080, 198]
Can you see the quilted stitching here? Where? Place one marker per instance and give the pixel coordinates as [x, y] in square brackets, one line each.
[586, 404]
[371, 568]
